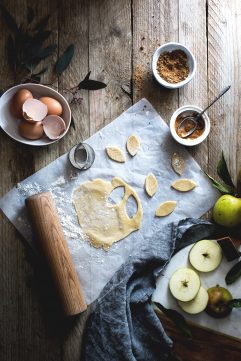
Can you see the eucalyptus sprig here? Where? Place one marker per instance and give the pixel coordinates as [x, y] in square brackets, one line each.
[26, 52]
[222, 170]
[233, 274]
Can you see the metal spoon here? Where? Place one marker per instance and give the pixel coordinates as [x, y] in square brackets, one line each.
[194, 120]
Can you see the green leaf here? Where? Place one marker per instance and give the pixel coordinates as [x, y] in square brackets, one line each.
[42, 24]
[12, 56]
[34, 78]
[233, 274]
[30, 14]
[223, 172]
[30, 66]
[223, 189]
[72, 124]
[89, 84]
[87, 76]
[235, 303]
[177, 318]
[42, 71]
[40, 37]
[9, 20]
[64, 60]
[44, 53]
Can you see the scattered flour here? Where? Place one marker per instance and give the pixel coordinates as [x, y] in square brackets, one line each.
[63, 202]
[29, 189]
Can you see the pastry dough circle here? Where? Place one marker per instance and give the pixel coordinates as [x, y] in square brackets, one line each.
[105, 223]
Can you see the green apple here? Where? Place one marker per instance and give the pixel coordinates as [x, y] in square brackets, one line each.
[227, 211]
[218, 302]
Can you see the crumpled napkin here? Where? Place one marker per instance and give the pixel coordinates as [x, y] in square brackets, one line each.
[123, 325]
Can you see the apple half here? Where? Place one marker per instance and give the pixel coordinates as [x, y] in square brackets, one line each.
[198, 304]
[205, 255]
[184, 284]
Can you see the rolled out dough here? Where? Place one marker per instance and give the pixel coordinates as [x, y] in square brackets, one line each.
[105, 223]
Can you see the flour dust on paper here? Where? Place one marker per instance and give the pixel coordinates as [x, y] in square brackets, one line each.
[103, 222]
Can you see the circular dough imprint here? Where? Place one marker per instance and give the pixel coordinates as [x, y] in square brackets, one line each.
[105, 223]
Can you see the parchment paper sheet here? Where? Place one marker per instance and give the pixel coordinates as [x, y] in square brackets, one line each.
[95, 266]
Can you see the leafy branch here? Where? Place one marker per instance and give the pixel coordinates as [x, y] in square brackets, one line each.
[26, 50]
[222, 170]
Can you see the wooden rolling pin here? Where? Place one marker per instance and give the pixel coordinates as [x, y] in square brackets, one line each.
[50, 234]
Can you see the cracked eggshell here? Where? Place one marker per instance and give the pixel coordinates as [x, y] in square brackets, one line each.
[31, 130]
[10, 123]
[34, 110]
[53, 126]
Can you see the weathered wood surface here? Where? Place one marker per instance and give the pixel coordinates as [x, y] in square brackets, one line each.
[115, 40]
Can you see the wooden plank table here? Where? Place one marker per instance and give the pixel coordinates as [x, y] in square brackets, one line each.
[115, 40]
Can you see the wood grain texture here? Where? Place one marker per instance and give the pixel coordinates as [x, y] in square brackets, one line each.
[223, 69]
[73, 23]
[154, 23]
[192, 33]
[109, 59]
[205, 345]
[22, 328]
[115, 40]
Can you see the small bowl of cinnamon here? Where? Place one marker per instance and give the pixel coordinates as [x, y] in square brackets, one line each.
[201, 132]
[173, 65]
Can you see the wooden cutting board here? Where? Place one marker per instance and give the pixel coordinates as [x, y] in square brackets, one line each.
[214, 339]
[206, 344]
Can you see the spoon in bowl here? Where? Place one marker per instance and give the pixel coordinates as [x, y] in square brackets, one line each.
[190, 119]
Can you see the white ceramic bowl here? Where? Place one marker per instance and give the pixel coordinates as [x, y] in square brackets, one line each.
[187, 141]
[170, 47]
[10, 124]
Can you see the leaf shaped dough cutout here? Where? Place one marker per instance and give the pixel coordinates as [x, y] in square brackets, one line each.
[178, 163]
[184, 185]
[166, 208]
[133, 144]
[116, 154]
[151, 184]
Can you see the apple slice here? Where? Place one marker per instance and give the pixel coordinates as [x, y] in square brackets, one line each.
[184, 284]
[198, 304]
[205, 255]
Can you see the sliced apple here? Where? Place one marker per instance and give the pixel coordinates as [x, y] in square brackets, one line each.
[184, 284]
[198, 304]
[205, 255]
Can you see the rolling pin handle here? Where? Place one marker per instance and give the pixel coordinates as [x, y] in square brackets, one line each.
[46, 224]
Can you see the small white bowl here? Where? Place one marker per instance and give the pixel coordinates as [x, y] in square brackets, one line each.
[170, 47]
[10, 124]
[187, 141]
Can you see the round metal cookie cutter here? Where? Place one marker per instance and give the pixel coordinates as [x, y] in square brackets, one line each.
[82, 156]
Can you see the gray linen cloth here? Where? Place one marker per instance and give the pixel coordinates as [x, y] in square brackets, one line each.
[123, 325]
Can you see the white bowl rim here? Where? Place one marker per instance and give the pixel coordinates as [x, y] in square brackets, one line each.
[27, 142]
[184, 141]
[163, 82]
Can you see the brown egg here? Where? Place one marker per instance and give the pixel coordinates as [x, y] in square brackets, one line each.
[31, 130]
[54, 107]
[17, 101]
